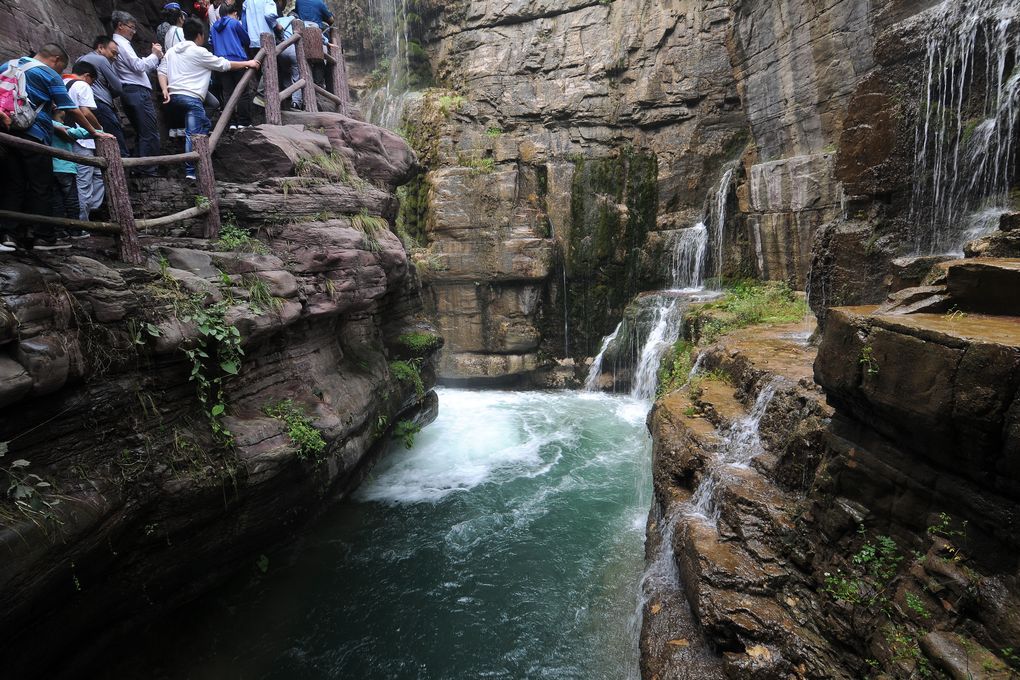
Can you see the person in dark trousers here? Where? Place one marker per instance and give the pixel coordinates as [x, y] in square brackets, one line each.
[106, 87]
[137, 97]
[315, 12]
[230, 41]
[28, 176]
[184, 79]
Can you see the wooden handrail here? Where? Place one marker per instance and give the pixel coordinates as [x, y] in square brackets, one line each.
[294, 87]
[270, 80]
[170, 159]
[36, 147]
[329, 95]
[124, 226]
[104, 227]
[286, 43]
[228, 110]
[305, 69]
[187, 214]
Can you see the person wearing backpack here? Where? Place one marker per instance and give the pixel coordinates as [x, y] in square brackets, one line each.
[28, 175]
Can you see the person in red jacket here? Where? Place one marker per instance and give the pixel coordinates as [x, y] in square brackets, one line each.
[200, 9]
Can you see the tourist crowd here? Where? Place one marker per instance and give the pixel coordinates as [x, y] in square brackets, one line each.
[201, 53]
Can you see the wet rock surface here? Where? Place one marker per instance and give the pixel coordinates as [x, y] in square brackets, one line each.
[907, 450]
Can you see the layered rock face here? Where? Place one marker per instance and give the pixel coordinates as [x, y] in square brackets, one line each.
[806, 103]
[572, 143]
[866, 530]
[188, 416]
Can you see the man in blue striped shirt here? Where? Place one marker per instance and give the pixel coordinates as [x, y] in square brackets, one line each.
[28, 176]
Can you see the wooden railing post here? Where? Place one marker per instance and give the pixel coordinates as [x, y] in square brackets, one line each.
[311, 101]
[338, 73]
[207, 184]
[271, 80]
[119, 200]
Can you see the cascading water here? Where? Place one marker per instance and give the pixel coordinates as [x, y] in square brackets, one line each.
[965, 144]
[384, 104]
[688, 262]
[591, 384]
[741, 444]
[722, 193]
[688, 265]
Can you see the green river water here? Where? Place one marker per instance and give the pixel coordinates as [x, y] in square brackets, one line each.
[507, 543]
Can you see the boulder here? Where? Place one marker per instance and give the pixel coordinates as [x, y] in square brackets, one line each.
[262, 151]
[378, 155]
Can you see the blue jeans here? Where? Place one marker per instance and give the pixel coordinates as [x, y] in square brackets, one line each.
[196, 122]
[137, 101]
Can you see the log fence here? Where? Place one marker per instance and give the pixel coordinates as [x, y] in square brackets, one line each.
[308, 44]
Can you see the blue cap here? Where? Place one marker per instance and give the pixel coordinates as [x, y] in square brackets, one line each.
[173, 5]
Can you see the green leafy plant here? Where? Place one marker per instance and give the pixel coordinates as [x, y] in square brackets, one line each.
[405, 431]
[31, 495]
[450, 103]
[215, 356]
[494, 132]
[867, 360]
[302, 432]
[237, 238]
[137, 331]
[409, 371]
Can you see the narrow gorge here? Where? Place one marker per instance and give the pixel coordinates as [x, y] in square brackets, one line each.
[623, 339]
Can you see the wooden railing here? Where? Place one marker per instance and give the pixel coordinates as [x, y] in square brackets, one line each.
[123, 224]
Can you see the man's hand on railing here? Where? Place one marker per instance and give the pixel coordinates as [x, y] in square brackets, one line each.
[253, 63]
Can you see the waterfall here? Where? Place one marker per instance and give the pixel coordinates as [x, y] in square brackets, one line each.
[719, 221]
[688, 263]
[964, 141]
[591, 383]
[663, 335]
[384, 105]
[688, 259]
[741, 444]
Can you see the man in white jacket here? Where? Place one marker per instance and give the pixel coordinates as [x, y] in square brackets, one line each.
[184, 78]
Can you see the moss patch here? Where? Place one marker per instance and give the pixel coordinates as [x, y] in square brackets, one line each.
[613, 206]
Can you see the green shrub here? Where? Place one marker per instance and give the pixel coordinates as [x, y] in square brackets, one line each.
[405, 430]
[419, 343]
[302, 433]
[409, 371]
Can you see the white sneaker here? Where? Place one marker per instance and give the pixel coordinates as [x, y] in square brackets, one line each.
[235, 127]
[4, 248]
[191, 176]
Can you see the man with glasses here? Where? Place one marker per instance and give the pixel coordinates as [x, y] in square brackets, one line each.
[137, 88]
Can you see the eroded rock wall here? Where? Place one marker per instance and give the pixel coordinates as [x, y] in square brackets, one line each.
[147, 507]
[575, 138]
